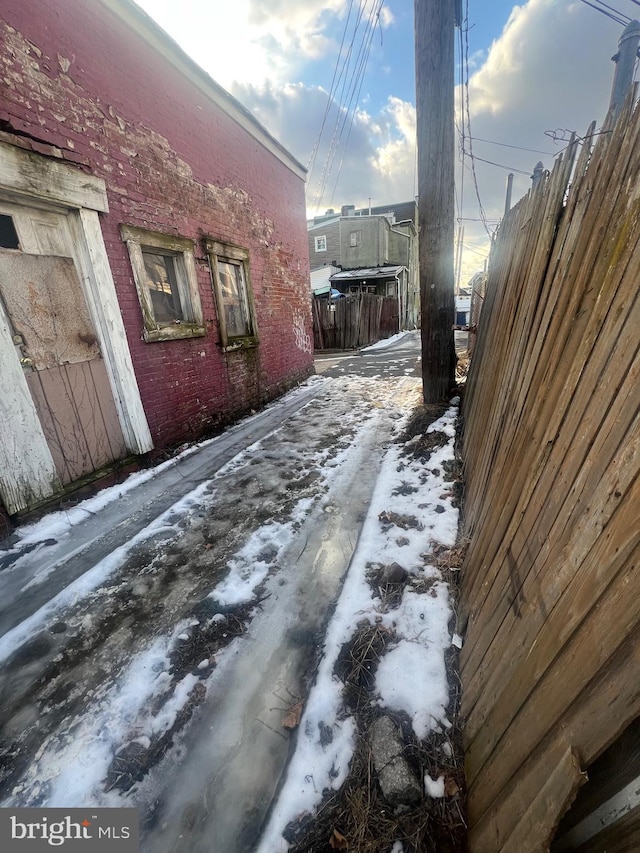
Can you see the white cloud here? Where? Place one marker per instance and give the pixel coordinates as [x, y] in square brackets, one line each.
[550, 68]
[377, 163]
[248, 40]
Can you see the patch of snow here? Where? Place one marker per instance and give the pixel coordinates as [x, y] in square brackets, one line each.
[386, 342]
[56, 524]
[412, 676]
[94, 577]
[434, 787]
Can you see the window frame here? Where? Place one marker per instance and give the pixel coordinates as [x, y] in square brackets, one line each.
[323, 238]
[182, 249]
[237, 256]
[355, 239]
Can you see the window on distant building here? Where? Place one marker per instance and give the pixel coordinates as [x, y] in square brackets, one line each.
[232, 287]
[355, 238]
[321, 244]
[164, 272]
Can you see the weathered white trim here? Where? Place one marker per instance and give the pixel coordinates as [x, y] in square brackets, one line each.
[100, 292]
[27, 471]
[139, 238]
[26, 173]
[141, 23]
[31, 179]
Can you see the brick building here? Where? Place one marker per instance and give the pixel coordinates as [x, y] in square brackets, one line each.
[153, 250]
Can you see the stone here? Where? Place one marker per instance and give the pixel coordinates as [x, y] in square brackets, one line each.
[399, 785]
[394, 573]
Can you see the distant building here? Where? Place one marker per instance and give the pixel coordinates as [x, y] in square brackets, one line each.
[378, 250]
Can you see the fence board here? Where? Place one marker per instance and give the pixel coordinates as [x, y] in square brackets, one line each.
[608, 411]
[353, 321]
[609, 703]
[552, 479]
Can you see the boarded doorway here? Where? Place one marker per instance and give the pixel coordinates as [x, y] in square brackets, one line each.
[55, 342]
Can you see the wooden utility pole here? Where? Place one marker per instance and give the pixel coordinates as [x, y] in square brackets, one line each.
[434, 40]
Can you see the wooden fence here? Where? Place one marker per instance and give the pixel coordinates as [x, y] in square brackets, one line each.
[353, 321]
[550, 591]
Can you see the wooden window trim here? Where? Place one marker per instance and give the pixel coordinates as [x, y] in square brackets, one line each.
[138, 239]
[228, 252]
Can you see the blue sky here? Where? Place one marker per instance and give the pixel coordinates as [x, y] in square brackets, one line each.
[534, 67]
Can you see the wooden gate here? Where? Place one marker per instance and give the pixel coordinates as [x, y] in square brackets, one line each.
[353, 321]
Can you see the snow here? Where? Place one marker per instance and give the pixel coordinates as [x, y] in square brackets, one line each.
[98, 575]
[434, 787]
[411, 677]
[386, 342]
[57, 524]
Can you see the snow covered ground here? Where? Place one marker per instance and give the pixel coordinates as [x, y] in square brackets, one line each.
[161, 676]
[412, 676]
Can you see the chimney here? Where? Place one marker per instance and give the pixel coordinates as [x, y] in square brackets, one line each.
[348, 210]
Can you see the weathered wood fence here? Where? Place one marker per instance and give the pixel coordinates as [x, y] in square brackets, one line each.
[353, 321]
[551, 592]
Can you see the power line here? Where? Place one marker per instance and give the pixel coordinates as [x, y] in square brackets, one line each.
[500, 165]
[618, 17]
[517, 147]
[314, 152]
[348, 97]
[483, 215]
[355, 89]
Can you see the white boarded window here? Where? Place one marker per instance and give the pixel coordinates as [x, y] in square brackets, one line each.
[321, 244]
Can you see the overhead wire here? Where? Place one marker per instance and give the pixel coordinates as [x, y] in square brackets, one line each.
[352, 76]
[618, 17]
[355, 101]
[483, 215]
[517, 147]
[355, 84]
[500, 165]
[314, 152]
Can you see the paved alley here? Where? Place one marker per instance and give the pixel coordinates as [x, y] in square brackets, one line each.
[153, 636]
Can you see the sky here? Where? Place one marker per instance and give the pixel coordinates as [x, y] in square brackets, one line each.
[333, 80]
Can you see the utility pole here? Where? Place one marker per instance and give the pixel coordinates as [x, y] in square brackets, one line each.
[625, 60]
[507, 201]
[434, 41]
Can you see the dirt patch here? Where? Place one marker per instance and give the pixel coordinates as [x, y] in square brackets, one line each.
[420, 421]
[132, 763]
[407, 522]
[387, 583]
[357, 664]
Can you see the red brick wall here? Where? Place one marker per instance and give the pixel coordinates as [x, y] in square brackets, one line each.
[73, 76]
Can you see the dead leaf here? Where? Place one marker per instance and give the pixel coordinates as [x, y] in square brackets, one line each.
[292, 720]
[451, 787]
[338, 841]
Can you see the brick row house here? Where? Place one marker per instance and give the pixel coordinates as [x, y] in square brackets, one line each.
[153, 249]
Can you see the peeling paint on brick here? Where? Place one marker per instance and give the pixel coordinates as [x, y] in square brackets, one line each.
[178, 165]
